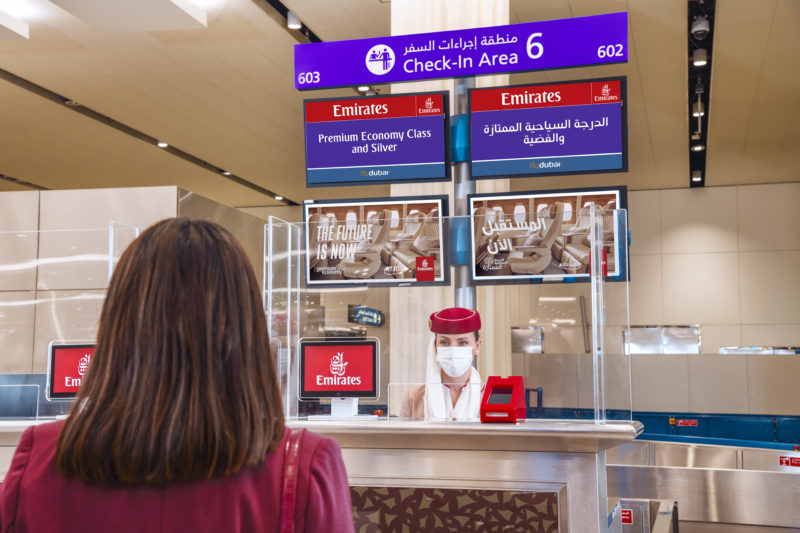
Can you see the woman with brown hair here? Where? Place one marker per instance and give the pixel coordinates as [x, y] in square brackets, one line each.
[178, 423]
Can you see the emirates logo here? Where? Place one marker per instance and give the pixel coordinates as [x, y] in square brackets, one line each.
[83, 364]
[605, 91]
[429, 103]
[337, 364]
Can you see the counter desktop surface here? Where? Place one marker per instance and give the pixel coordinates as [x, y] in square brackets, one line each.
[530, 476]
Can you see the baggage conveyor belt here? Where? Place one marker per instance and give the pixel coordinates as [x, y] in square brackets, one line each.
[711, 483]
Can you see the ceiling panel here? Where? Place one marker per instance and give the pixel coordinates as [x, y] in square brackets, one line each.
[47, 143]
[755, 106]
[226, 95]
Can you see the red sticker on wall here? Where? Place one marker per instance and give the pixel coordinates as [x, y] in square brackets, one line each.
[789, 461]
[627, 516]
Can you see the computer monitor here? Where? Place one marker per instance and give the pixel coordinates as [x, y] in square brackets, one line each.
[67, 363]
[341, 368]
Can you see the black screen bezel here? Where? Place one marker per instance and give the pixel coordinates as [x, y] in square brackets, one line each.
[51, 376]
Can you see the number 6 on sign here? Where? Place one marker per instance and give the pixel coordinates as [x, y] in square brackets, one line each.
[535, 49]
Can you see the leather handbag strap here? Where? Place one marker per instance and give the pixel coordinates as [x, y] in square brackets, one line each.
[291, 456]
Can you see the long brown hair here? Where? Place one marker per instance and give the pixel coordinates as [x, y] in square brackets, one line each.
[182, 385]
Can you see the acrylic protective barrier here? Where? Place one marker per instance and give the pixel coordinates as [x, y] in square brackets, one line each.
[52, 287]
[550, 317]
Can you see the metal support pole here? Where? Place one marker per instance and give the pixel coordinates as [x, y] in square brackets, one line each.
[464, 290]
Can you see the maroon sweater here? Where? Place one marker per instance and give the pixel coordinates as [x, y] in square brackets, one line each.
[36, 498]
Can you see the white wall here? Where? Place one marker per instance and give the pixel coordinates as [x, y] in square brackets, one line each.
[727, 258]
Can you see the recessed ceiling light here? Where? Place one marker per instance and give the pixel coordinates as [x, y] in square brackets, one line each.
[279, 197]
[363, 88]
[698, 147]
[162, 144]
[700, 57]
[697, 176]
[226, 173]
[697, 109]
[292, 22]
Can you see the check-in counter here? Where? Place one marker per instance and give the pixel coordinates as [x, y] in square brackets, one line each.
[530, 476]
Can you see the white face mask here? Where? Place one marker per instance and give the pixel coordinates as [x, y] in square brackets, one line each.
[454, 360]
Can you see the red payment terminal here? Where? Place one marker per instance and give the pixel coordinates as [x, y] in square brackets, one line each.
[503, 400]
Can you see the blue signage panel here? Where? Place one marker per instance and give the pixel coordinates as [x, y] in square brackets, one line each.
[534, 130]
[540, 45]
[365, 315]
[379, 139]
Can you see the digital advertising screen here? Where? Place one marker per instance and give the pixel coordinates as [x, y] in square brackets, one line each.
[571, 127]
[530, 237]
[338, 369]
[66, 366]
[377, 139]
[376, 241]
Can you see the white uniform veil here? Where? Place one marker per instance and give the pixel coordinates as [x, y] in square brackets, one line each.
[438, 405]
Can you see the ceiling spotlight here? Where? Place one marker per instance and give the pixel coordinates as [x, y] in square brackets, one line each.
[697, 109]
[700, 57]
[279, 197]
[363, 88]
[700, 27]
[292, 22]
[226, 173]
[697, 175]
[698, 147]
[162, 144]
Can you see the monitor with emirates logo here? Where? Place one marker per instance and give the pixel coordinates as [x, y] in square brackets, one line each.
[342, 368]
[67, 363]
[397, 138]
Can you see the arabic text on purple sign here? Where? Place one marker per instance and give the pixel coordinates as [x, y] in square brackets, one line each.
[513, 48]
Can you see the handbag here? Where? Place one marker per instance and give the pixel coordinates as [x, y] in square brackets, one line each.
[291, 455]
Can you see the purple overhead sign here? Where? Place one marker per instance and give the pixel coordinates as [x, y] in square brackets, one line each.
[541, 45]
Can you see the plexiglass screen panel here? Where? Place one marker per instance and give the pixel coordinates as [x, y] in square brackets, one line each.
[52, 287]
[539, 328]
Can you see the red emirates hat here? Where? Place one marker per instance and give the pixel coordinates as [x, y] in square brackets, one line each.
[455, 320]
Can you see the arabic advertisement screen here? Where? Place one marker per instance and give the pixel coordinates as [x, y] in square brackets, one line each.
[531, 237]
[68, 364]
[338, 369]
[377, 139]
[563, 128]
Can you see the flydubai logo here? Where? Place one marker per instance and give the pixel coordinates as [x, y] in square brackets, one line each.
[338, 369]
[380, 59]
